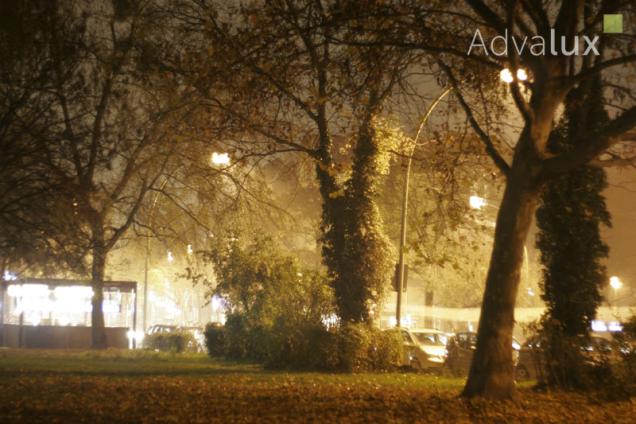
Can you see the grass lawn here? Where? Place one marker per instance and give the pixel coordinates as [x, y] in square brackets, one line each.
[138, 386]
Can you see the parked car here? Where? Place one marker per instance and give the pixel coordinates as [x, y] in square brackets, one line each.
[433, 343]
[461, 347]
[198, 343]
[197, 335]
[161, 328]
[531, 364]
[422, 350]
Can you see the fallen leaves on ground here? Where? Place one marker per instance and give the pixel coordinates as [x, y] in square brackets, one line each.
[231, 393]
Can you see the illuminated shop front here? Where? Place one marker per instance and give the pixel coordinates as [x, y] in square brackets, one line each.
[56, 313]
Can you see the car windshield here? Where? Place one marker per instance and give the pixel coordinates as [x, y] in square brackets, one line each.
[431, 338]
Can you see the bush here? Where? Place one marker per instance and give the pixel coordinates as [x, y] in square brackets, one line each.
[236, 337]
[170, 342]
[365, 348]
[578, 363]
[618, 379]
[387, 350]
[214, 339]
[349, 348]
[323, 345]
[354, 347]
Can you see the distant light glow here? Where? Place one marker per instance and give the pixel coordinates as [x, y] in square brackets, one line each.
[476, 202]
[138, 336]
[9, 276]
[220, 158]
[615, 282]
[406, 321]
[170, 256]
[599, 326]
[615, 326]
[41, 304]
[217, 303]
[28, 290]
[329, 320]
[189, 249]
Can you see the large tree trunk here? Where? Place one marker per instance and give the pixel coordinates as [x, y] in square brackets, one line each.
[98, 332]
[333, 222]
[491, 373]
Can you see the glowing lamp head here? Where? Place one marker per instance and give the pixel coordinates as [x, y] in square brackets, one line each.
[616, 282]
[506, 76]
[522, 75]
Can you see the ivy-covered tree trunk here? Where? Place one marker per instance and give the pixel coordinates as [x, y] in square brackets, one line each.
[569, 220]
[367, 261]
[333, 226]
[355, 249]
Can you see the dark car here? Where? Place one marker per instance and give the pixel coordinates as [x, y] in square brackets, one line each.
[532, 358]
[461, 347]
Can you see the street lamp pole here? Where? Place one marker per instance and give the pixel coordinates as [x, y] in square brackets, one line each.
[147, 259]
[405, 201]
[146, 283]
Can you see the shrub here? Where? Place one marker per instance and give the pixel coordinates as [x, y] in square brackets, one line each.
[170, 342]
[365, 348]
[286, 344]
[259, 343]
[618, 381]
[578, 363]
[236, 337]
[214, 339]
[354, 347]
[387, 350]
[323, 346]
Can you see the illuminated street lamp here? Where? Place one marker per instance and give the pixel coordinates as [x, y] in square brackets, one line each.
[220, 158]
[616, 282]
[506, 75]
[616, 285]
[522, 75]
[405, 202]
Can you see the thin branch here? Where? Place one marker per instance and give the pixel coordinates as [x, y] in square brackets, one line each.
[500, 162]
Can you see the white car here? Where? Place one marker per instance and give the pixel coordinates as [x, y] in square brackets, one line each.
[433, 343]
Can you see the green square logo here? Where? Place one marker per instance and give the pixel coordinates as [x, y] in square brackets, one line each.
[613, 24]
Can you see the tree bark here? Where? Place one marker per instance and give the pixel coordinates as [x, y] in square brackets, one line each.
[492, 372]
[98, 332]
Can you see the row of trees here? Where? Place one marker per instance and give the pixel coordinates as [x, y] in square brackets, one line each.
[106, 103]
